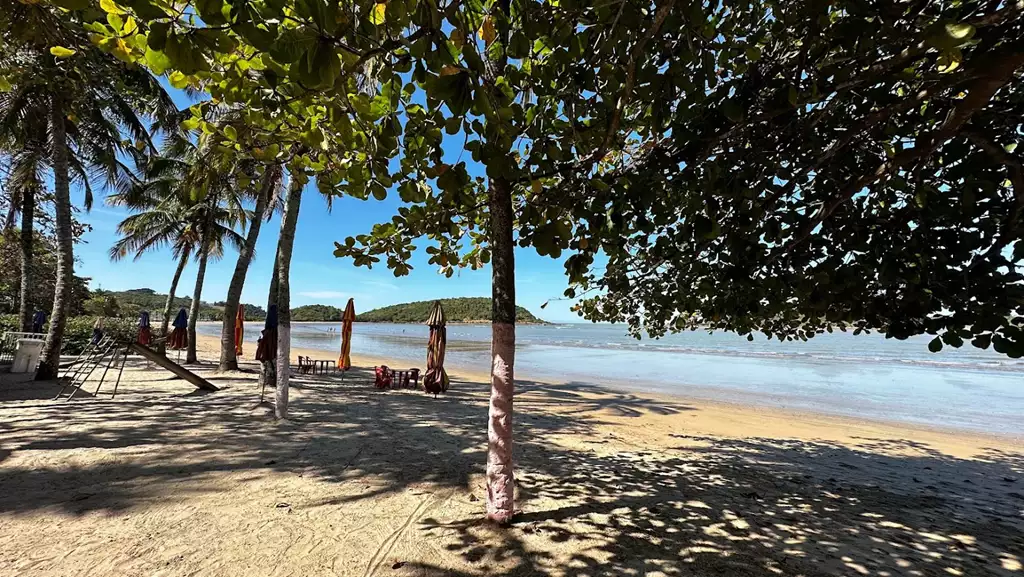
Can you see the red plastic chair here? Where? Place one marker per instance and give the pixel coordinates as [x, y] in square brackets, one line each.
[382, 377]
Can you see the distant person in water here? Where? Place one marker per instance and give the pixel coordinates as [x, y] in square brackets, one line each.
[97, 331]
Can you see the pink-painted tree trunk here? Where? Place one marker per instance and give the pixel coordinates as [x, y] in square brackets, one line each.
[500, 476]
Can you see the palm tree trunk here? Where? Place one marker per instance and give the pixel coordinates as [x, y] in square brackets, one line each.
[268, 371]
[65, 249]
[284, 316]
[193, 316]
[228, 360]
[169, 303]
[28, 204]
[500, 478]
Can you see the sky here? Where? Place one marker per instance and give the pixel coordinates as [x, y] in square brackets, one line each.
[317, 276]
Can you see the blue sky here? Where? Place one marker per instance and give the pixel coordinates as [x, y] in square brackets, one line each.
[316, 275]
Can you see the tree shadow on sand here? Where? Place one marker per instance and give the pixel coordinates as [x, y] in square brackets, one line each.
[706, 506]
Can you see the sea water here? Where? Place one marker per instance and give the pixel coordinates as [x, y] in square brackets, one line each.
[861, 376]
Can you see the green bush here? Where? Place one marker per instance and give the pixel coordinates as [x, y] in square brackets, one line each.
[9, 323]
[78, 332]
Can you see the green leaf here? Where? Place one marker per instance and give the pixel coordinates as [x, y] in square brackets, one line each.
[146, 9]
[157, 38]
[61, 52]
[115, 22]
[377, 15]
[519, 46]
[292, 45]
[211, 11]
[5, 84]
[949, 60]
[452, 125]
[178, 80]
[952, 339]
[230, 132]
[982, 341]
[110, 7]
[946, 35]
[935, 345]
[732, 110]
[157, 61]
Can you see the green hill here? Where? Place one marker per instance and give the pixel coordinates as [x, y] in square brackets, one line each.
[129, 303]
[458, 310]
[316, 313]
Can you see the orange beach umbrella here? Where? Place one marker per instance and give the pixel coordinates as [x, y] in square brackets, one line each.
[344, 359]
[239, 329]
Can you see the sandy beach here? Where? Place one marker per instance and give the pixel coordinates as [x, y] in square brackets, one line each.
[164, 480]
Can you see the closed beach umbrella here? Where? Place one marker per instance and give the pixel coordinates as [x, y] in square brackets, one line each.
[266, 348]
[344, 359]
[38, 320]
[435, 380]
[145, 335]
[239, 329]
[179, 336]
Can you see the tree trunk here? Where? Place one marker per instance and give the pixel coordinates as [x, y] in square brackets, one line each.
[190, 355]
[284, 316]
[500, 478]
[228, 360]
[169, 303]
[268, 371]
[65, 248]
[28, 204]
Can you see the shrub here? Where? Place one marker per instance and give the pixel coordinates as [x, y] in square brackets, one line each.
[78, 332]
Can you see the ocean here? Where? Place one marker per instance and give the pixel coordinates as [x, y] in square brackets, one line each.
[865, 376]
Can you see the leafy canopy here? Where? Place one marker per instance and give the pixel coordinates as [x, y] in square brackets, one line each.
[774, 166]
[851, 167]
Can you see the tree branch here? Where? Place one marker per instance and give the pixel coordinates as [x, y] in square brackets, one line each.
[627, 90]
[979, 94]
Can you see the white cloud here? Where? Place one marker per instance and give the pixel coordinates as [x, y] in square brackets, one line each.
[324, 295]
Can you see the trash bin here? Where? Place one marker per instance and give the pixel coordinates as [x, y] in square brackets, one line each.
[26, 356]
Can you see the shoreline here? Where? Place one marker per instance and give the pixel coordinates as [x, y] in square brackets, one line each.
[755, 419]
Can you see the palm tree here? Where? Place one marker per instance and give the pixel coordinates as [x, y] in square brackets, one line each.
[185, 204]
[24, 182]
[159, 222]
[285, 242]
[83, 102]
[266, 199]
